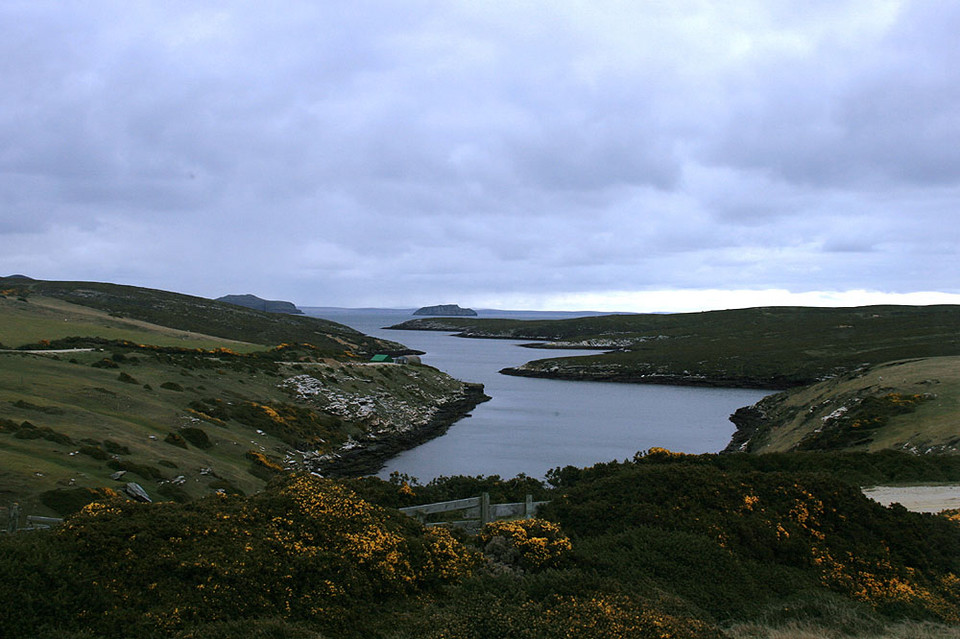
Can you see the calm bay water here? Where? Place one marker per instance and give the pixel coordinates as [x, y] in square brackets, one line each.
[533, 425]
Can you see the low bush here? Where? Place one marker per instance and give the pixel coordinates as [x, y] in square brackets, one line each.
[176, 439]
[196, 436]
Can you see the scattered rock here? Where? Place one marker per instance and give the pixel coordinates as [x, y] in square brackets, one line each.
[137, 492]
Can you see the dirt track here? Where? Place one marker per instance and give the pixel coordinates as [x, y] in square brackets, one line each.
[922, 499]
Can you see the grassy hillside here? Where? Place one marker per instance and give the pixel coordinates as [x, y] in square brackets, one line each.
[72, 420]
[911, 405]
[32, 320]
[667, 545]
[188, 408]
[777, 347]
[196, 315]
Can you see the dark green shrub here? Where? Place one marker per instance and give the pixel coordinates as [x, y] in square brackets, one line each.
[196, 436]
[172, 492]
[175, 439]
[66, 501]
[49, 410]
[114, 448]
[225, 486]
[262, 467]
[105, 363]
[94, 451]
[127, 378]
[172, 386]
[145, 471]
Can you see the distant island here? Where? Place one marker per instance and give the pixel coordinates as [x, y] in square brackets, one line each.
[257, 304]
[446, 309]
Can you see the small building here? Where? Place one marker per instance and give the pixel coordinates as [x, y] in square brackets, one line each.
[381, 358]
[408, 359]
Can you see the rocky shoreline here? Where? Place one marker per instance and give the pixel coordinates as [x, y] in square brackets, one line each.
[650, 378]
[749, 421]
[368, 455]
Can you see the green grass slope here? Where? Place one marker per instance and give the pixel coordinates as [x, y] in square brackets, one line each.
[199, 315]
[911, 405]
[34, 319]
[166, 390]
[777, 347]
[214, 420]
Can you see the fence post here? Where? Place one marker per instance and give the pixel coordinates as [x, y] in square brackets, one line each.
[484, 509]
[528, 507]
[14, 521]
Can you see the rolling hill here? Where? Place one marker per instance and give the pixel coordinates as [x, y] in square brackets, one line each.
[185, 396]
[911, 405]
[774, 347]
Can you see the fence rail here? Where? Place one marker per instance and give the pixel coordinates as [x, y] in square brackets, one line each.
[11, 517]
[474, 512]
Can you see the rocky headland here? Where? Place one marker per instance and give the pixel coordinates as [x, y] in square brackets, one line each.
[258, 304]
[367, 453]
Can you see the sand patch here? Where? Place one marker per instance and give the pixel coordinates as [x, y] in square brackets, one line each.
[921, 499]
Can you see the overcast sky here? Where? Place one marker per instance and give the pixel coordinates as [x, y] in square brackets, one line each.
[659, 155]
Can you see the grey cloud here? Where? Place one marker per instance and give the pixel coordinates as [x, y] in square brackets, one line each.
[333, 153]
[883, 113]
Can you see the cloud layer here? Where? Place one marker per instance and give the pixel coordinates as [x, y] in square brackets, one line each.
[486, 153]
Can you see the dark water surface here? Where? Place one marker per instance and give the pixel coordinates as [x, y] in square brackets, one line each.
[533, 425]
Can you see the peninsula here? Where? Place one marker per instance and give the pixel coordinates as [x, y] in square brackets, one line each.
[258, 304]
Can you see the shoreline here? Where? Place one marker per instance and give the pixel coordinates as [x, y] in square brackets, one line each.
[654, 378]
[368, 456]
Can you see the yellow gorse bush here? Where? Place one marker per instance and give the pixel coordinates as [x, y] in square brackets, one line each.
[305, 547]
[537, 542]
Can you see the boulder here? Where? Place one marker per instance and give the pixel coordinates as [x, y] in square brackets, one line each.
[137, 492]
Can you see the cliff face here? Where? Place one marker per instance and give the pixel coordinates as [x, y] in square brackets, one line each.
[446, 309]
[257, 304]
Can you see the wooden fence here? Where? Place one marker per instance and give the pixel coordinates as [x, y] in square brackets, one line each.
[473, 512]
[11, 518]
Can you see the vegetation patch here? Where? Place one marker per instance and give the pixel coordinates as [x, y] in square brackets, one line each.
[49, 410]
[196, 436]
[144, 470]
[854, 426]
[263, 467]
[306, 550]
[114, 448]
[176, 439]
[28, 430]
[94, 451]
[299, 426]
[67, 501]
[126, 378]
[528, 544]
[665, 545]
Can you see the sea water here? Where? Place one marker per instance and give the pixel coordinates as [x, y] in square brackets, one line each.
[532, 425]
